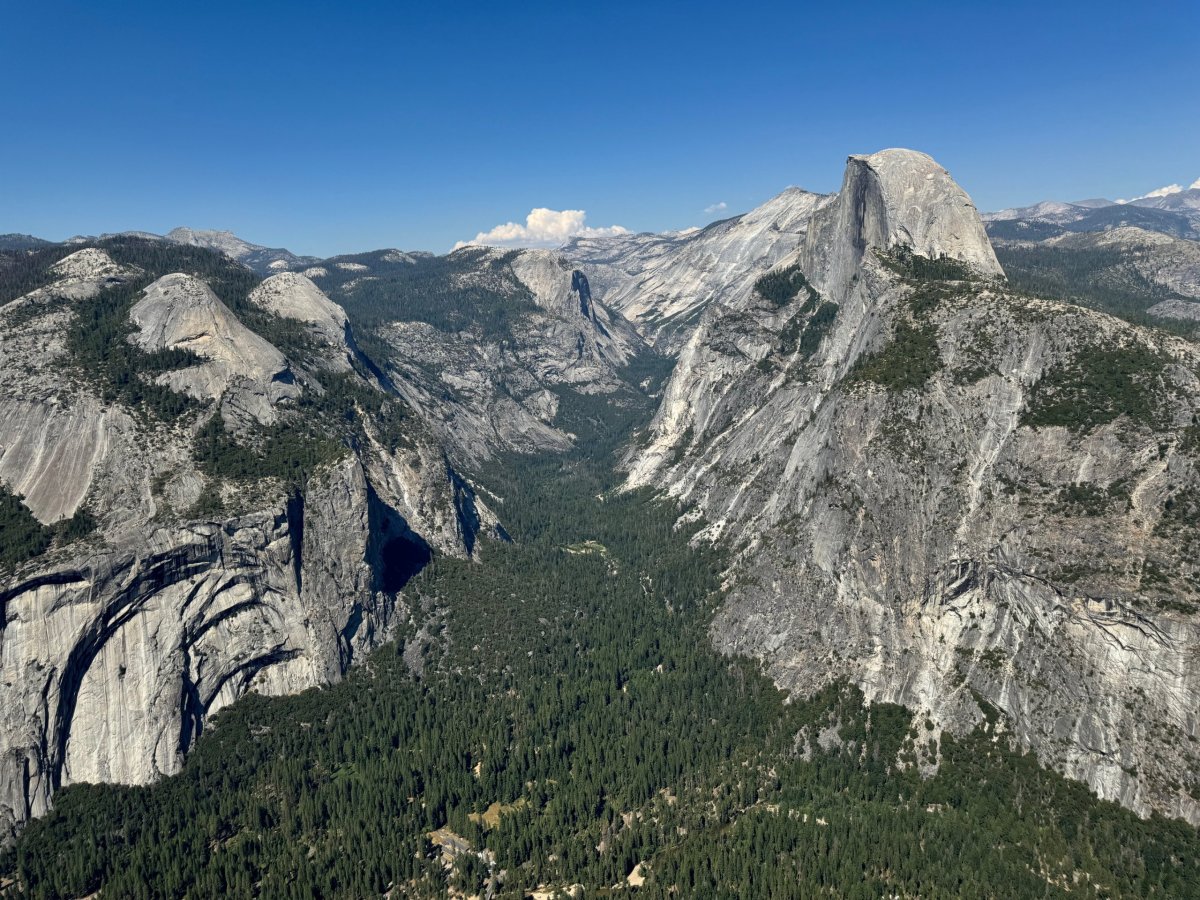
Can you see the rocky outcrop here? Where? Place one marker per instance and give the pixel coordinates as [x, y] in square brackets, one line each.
[50, 450]
[932, 497]
[116, 648]
[293, 296]
[1175, 308]
[90, 266]
[244, 371]
[891, 199]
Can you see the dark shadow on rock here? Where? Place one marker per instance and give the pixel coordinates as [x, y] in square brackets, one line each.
[396, 553]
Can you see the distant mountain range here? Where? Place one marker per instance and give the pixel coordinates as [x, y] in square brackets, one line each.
[1138, 259]
[262, 260]
[1172, 210]
[21, 242]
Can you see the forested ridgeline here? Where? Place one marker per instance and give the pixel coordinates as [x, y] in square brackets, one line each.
[570, 723]
[1098, 278]
[470, 288]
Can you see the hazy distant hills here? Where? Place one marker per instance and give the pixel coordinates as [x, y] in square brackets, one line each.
[263, 260]
[1138, 259]
[21, 242]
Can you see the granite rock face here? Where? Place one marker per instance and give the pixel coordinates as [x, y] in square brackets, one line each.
[930, 496]
[663, 282]
[117, 647]
[293, 296]
[889, 199]
[239, 368]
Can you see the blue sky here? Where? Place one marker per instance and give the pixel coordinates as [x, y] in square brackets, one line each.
[329, 128]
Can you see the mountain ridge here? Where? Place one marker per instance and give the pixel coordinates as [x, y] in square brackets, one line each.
[791, 424]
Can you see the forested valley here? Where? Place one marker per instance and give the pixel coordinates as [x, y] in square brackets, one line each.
[552, 716]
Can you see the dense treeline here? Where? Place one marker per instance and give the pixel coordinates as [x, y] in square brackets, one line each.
[452, 293]
[22, 271]
[907, 361]
[782, 286]
[23, 537]
[1096, 386]
[1101, 279]
[914, 266]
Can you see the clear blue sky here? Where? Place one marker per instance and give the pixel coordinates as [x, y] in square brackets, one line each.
[328, 127]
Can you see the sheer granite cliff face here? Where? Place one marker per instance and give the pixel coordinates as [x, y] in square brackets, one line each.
[663, 282]
[115, 649]
[934, 494]
[890, 199]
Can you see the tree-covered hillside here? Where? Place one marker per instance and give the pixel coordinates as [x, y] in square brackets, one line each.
[1098, 278]
[471, 288]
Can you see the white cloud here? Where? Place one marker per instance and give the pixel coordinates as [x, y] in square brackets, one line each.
[543, 228]
[716, 208]
[1195, 185]
[1161, 192]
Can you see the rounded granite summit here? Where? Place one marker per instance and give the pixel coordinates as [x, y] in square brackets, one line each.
[923, 207]
[291, 295]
